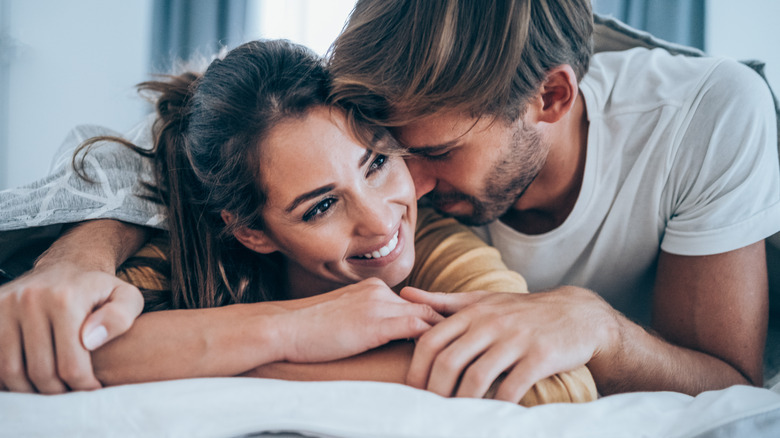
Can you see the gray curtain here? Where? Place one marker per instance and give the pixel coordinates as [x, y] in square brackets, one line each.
[182, 29]
[678, 21]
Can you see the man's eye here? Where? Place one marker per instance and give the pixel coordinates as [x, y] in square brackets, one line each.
[319, 209]
[435, 155]
[378, 163]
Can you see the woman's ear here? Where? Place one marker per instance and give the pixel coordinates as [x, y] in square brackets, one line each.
[557, 94]
[256, 240]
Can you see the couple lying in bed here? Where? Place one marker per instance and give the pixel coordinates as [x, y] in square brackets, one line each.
[295, 248]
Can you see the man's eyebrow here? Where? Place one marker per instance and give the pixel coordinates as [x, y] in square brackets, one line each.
[324, 189]
[308, 195]
[429, 149]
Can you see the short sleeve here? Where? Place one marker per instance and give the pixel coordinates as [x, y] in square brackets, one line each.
[723, 190]
[451, 258]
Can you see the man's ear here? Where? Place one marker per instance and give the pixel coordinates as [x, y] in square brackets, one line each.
[256, 240]
[557, 94]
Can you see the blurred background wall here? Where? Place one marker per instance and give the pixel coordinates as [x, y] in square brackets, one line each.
[64, 63]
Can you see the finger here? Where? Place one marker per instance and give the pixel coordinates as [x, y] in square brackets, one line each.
[429, 345]
[449, 366]
[444, 303]
[12, 372]
[39, 354]
[519, 380]
[426, 313]
[401, 327]
[113, 318]
[74, 363]
[481, 374]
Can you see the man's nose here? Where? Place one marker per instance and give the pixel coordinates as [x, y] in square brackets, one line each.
[423, 177]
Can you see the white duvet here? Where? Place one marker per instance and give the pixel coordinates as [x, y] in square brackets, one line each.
[230, 407]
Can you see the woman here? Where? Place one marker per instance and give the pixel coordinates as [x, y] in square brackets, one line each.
[275, 199]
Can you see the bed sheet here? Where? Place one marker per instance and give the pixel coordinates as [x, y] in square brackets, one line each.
[236, 407]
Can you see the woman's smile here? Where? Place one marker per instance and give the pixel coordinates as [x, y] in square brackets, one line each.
[383, 255]
[338, 211]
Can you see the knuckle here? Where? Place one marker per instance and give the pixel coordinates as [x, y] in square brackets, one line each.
[10, 369]
[415, 324]
[28, 298]
[428, 312]
[474, 377]
[41, 376]
[425, 342]
[75, 377]
[447, 362]
[118, 319]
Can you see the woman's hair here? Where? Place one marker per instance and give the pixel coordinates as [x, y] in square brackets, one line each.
[207, 135]
[400, 60]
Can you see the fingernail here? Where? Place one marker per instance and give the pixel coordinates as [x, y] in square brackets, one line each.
[95, 337]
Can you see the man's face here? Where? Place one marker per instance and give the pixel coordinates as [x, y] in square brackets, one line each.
[472, 169]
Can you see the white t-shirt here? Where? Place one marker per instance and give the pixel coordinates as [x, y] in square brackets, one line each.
[681, 156]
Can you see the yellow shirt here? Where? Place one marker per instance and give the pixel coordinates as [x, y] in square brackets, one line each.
[449, 258]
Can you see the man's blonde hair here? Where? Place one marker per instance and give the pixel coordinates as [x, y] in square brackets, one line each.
[399, 60]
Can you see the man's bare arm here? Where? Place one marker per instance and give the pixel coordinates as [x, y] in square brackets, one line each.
[710, 318]
[710, 314]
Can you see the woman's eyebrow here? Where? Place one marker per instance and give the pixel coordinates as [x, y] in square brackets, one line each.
[309, 195]
[365, 157]
[324, 189]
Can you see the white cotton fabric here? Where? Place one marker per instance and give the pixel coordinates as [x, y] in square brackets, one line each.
[233, 407]
[681, 155]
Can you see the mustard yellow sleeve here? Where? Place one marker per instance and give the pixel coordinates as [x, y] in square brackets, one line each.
[451, 258]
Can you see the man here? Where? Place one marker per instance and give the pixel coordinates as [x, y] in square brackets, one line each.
[501, 130]
[650, 181]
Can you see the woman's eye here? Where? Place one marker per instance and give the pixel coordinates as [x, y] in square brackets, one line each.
[318, 209]
[378, 163]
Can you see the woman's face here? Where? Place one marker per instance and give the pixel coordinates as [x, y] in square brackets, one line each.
[339, 212]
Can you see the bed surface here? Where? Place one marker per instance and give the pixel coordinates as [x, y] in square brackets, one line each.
[234, 407]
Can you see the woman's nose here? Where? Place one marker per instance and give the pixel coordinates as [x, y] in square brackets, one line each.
[375, 217]
[423, 177]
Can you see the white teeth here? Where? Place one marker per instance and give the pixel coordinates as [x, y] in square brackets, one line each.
[385, 250]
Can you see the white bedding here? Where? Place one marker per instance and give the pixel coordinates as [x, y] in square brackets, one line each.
[230, 407]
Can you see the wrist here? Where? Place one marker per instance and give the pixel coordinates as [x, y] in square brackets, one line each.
[252, 334]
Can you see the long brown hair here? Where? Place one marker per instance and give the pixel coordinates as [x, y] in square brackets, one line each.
[398, 60]
[207, 134]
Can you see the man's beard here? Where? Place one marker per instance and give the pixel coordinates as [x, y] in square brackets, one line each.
[506, 184]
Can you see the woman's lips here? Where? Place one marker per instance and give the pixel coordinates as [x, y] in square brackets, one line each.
[384, 255]
[385, 250]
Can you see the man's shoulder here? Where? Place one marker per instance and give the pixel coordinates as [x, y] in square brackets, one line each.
[641, 79]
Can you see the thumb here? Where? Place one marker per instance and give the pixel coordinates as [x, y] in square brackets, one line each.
[114, 317]
[444, 303]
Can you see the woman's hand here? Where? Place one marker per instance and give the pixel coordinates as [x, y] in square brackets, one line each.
[349, 321]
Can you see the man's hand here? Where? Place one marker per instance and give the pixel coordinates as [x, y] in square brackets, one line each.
[349, 321]
[528, 336]
[68, 304]
[51, 318]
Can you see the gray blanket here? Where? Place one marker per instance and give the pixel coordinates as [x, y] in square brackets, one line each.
[32, 215]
